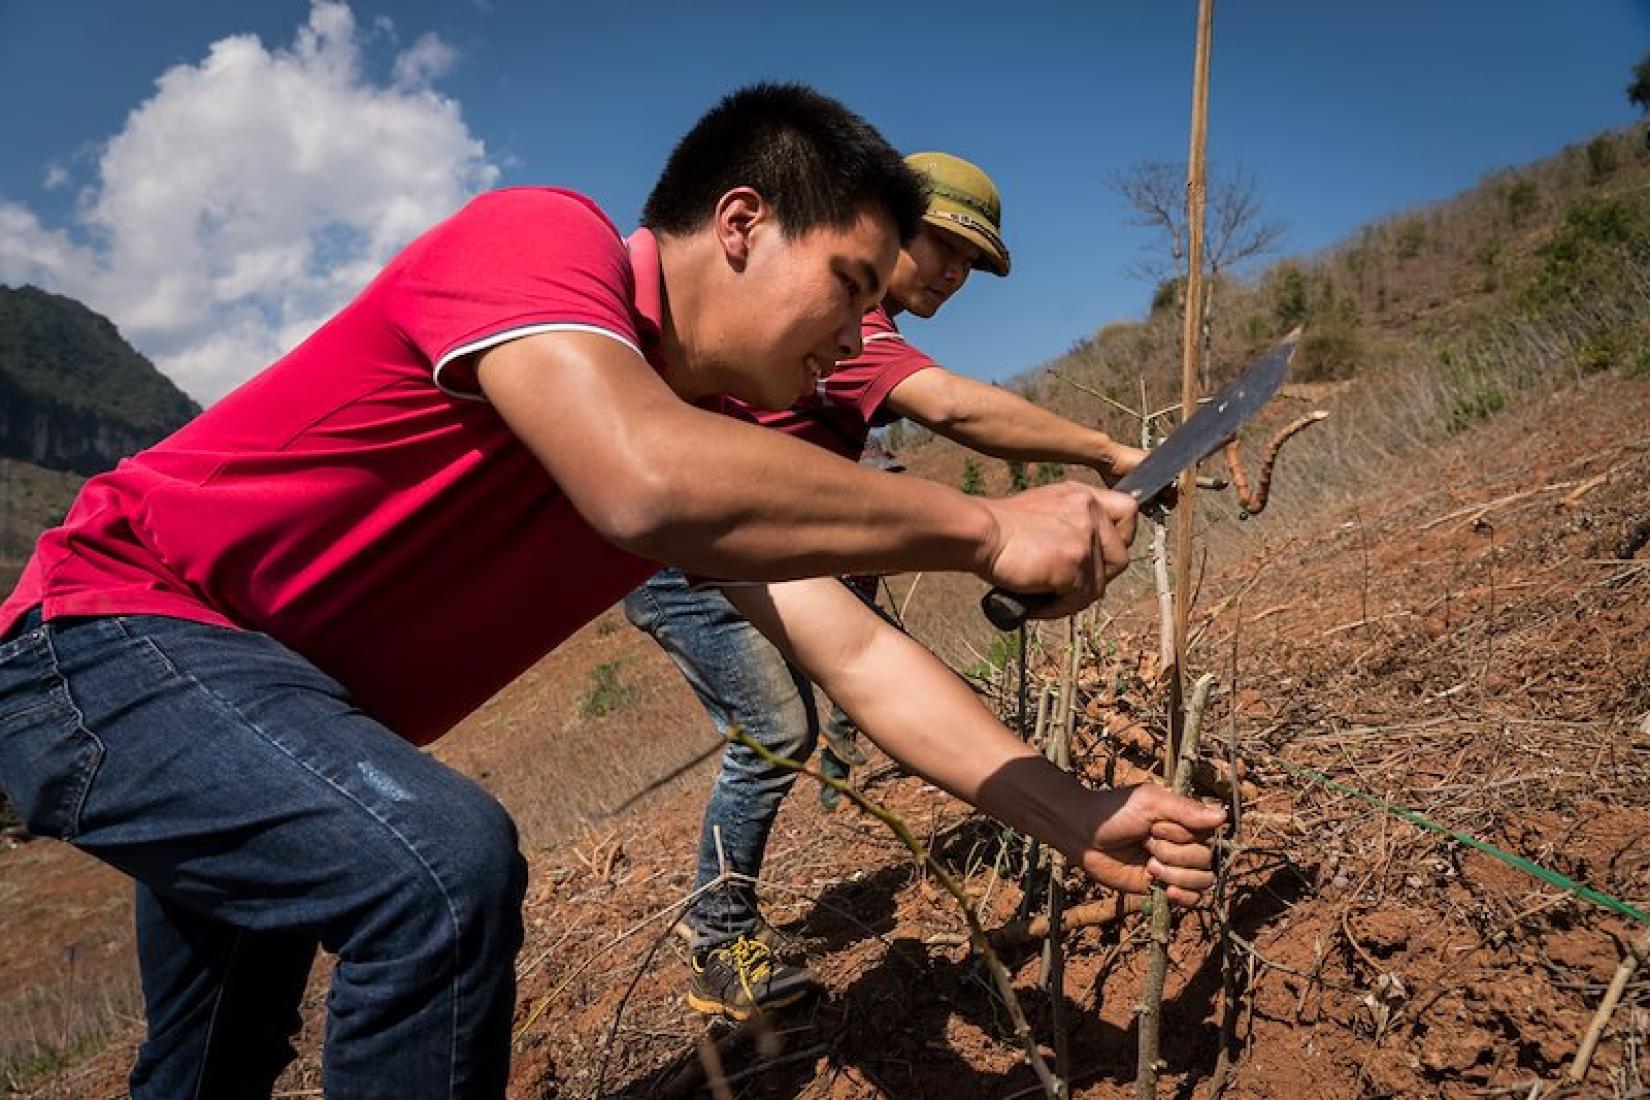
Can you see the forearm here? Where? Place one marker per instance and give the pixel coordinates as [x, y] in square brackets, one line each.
[997, 422]
[738, 501]
[921, 714]
[908, 702]
[665, 480]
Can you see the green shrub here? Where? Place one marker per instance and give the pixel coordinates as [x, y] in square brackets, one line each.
[1520, 197]
[1412, 236]
[1476, 394]
[1289, 300]
[1330, 349]
[1049, 472]
[1017, 482]
[973, 481]
[1601, 158]
[1596, 355]
[607, 693]
[1167, 296]
[1594, 248]
[1639, 365]
[1488, 258]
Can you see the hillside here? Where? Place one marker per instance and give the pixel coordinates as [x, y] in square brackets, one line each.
[1446, 607]
[1470, 639]
[73, 394]
[31, 499]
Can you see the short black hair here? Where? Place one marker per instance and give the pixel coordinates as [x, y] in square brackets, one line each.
[816, 161]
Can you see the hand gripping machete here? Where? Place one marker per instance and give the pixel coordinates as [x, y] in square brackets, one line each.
[1201, 435]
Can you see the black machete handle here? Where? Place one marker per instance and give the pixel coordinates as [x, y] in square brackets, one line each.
[1009, 610]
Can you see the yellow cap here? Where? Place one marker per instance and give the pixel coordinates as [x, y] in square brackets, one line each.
[963, 200]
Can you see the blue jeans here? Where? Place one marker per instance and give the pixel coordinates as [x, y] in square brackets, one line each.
[263, 814]
[742, 680]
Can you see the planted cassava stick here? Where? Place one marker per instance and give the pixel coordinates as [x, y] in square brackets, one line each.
[1157, 967]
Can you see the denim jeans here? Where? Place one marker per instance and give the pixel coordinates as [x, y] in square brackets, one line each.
[742, 680]
[263, 814]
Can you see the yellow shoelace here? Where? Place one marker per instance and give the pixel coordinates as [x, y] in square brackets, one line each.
[752, 961]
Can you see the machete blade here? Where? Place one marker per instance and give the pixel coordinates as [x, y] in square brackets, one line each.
[1200, 435]
[1216, 421]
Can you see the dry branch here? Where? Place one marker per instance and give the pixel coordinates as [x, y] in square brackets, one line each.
[1208, 776]
[1254, 503]
[1618, 985]
[1477, 511]
[1092, 915]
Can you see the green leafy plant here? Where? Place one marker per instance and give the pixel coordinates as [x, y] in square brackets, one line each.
[1049, 472]
[1601, 158]
[607, 692]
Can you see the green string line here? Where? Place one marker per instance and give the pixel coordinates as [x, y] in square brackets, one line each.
[1508, 858]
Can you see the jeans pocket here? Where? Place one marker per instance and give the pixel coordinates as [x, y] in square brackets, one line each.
[47, 756]
[641, 609]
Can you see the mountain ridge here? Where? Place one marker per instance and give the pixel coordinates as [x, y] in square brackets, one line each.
[74, 395]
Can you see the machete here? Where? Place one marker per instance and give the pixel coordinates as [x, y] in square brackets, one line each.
[1199, 436]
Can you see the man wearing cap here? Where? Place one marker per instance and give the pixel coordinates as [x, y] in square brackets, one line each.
[215, 673]
[740, 677]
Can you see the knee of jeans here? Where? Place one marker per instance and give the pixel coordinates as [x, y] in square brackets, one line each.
[785, 732]
[487, 870]
[465, 882]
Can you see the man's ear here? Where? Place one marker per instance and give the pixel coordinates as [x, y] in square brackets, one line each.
[738, 213]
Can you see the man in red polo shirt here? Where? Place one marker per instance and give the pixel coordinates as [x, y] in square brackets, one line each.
[745, 680]
[214, 673]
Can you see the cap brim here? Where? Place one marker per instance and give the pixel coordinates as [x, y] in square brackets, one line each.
[993, 255]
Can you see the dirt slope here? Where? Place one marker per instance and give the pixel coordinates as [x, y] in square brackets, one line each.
[1472, 641]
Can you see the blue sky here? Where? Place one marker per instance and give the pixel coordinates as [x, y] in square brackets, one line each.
[218, 177]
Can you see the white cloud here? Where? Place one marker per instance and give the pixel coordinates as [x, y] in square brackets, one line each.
[424, 62]
[252, 195]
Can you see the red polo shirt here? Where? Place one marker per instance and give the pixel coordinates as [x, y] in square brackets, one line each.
[358, 500]
[849, 403]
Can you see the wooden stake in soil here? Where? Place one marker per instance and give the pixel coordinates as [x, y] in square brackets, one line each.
[1157, 966]
[1191, 349]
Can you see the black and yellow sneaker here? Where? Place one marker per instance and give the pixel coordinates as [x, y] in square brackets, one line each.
[742, 978]
[783, 944]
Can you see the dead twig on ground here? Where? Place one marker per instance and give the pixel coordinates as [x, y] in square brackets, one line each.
[1479, 511]
[1636, 952]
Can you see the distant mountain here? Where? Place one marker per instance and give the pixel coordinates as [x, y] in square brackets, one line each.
[74, 395]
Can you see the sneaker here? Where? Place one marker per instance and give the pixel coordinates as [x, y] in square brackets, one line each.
[781, 943]
[844, 743]
[742, 978]
[830, 798]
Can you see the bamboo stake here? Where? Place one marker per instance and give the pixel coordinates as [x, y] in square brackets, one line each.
[1191, 348]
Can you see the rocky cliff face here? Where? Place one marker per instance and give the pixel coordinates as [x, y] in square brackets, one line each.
[73, 394]
[60, 436]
